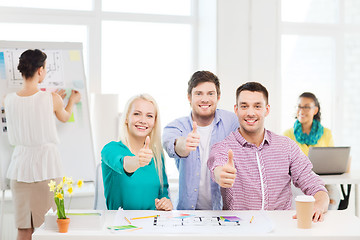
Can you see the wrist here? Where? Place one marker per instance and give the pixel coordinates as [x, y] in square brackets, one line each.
[180, 147]
[71, 101]
[130, 164]
[217, 171]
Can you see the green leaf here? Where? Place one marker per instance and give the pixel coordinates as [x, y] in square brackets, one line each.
[60, 208]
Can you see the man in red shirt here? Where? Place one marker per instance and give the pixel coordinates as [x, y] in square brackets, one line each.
[255, 166]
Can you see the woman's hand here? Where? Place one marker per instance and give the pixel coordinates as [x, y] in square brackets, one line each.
[145, 154]
[133, 163]
[75, 96]
[61, 93]
[163, 204]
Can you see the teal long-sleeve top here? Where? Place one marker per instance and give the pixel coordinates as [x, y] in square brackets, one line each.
[131, 191]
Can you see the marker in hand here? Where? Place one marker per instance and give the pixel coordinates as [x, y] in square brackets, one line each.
[75, 96]
[193, 139]
[228, 172]
[145, 153]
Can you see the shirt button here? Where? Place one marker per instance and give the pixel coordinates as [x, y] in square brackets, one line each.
[192, 206]
[195, 189]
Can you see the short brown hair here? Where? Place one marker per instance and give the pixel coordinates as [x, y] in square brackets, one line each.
[203, 76]
[252, 87]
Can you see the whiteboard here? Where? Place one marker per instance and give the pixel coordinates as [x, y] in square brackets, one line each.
[65, 69]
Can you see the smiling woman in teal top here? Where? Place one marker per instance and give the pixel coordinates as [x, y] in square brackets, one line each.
[133, 169]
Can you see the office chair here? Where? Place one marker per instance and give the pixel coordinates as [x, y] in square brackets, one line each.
[100, 202]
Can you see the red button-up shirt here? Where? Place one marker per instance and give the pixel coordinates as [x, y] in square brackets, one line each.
[264, 173]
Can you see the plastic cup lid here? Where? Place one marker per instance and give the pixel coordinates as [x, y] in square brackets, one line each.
[305, 198]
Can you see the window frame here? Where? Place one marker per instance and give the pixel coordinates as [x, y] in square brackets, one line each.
[338, 32]
[93, 19]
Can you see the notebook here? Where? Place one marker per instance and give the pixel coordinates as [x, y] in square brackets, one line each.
[329, 160]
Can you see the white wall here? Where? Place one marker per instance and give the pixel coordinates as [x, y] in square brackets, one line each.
[232, 48]
[247, 50]
[105, 115]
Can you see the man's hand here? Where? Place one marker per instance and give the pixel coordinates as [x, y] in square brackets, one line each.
[184, 146]
[320, 206]
[192, 139]
[225, 175]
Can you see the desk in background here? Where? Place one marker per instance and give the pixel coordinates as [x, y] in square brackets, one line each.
[346, 178]
[337, 225]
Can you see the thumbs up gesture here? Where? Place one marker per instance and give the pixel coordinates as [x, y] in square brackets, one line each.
[192, 139]
[225, 175]
[145, 153]
[184, 145]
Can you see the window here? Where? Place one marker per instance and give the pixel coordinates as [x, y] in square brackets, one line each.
[166, 7]
[148, 57]
[146, 45]
[310, 11]
[48, 33]
[308, 64]
[63, 4]
[154, 56]
[320, 45]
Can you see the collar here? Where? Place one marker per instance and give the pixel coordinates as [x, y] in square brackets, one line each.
[244, 143]
[215, 121]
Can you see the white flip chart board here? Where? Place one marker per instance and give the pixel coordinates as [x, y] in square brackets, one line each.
[65, 69]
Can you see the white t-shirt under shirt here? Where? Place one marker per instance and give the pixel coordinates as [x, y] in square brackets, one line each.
[204, 197]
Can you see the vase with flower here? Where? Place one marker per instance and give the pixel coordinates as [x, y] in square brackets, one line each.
[58, 189]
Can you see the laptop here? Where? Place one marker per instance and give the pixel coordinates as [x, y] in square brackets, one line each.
[329, 160]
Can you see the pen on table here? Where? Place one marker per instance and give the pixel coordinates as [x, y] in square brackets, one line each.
[127, 220]
[144, 217]
[252, 218]
[130, 230]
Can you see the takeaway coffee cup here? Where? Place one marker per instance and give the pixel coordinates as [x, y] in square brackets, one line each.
[304, 210]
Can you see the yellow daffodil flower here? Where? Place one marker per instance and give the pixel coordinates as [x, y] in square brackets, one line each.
[60, 186]
[59, 196]
[52, 185]
[80, 183]
[69, 181]
[59, 189]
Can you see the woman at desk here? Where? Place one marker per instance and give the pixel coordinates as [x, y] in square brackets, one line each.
[308, 132]
[133, 169]
[32, 130]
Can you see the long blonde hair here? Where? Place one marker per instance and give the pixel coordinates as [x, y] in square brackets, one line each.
[155, 135]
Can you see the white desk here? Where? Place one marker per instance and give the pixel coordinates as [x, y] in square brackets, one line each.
[337, 225]
[346, 178]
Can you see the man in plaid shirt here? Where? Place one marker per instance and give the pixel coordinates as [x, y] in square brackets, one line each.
[255, 166]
